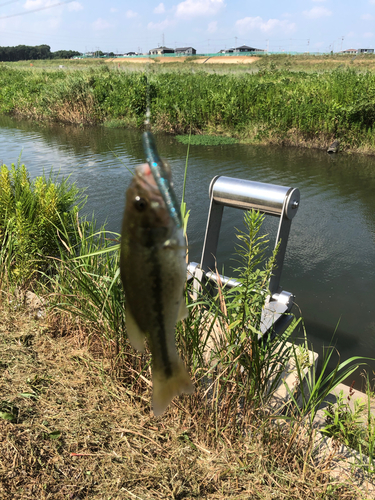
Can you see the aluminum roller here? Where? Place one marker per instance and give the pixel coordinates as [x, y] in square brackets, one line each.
[244, 194]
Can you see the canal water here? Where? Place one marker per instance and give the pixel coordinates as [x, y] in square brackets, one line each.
[330, 260]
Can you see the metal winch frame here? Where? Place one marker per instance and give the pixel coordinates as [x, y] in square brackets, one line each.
[270, 199]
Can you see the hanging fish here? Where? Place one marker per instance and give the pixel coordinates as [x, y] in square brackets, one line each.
[153, 272]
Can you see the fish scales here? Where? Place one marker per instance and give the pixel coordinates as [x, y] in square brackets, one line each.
[153, 271]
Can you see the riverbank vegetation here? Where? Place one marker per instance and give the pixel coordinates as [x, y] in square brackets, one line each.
[75, 398]
[271, 105]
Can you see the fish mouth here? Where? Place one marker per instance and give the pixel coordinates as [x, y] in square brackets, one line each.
[145, 180]
[144, 186]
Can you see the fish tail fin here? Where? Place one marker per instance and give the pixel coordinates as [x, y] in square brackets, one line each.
[166, 388]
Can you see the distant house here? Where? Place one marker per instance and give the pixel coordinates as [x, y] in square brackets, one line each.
[187, 51]
[130, 54]
[242, 48]
[245, 48]
[365, 51]
[160, 51]
[349, 51]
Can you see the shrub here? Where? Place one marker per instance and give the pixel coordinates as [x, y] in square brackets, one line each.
[31, 216]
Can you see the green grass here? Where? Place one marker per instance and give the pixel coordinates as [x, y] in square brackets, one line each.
[269, 106]
[206, 140]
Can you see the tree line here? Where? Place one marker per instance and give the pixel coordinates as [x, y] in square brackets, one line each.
[26, 52]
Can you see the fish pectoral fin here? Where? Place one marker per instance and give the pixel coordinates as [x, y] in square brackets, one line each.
[135, 334]
[165, 389]
[183, 311]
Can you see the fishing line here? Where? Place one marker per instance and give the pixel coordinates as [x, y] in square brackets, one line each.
[36, 10]
[148, 111]
[119, 159]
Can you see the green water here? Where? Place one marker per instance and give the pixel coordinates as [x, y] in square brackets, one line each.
[330, 261]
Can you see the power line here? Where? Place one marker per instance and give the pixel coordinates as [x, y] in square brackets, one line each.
[35, 10]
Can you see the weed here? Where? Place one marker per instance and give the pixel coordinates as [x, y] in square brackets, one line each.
[312, 388]
[30, 215]
[343, 424]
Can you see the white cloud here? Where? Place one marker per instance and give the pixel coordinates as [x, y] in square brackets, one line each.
[160, 26]
[112, 10]
[372, 1]
[317, 12]
[194, 8]
[75, 6]
[160, 9]
[368, 35]
[367, 17]
[101, 24]
[35, 4]
[130, 14]
[251, 23]
[212, 27]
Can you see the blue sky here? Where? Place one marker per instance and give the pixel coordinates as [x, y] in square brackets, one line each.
[207, 25]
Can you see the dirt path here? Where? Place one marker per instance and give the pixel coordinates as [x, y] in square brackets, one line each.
[202, 60]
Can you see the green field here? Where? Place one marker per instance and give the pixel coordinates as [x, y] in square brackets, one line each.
[299, 100]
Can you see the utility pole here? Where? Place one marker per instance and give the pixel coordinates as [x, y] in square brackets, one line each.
[162, 40]
[308, 46]
[342, 39]
[267, 45]
[235, 42]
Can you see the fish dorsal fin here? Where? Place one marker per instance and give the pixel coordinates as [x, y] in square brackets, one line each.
[135, 334]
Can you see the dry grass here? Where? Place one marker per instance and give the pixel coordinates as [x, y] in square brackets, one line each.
[227, 60]
[80, 433]
[136, 60]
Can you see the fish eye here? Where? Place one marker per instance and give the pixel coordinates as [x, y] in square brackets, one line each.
[140, 203]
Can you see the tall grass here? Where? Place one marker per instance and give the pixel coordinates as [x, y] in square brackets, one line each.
[235, 370]
[30, 215]
[270, 105]
[87, 280]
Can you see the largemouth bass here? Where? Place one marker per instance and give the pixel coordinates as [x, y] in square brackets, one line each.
[153, 272]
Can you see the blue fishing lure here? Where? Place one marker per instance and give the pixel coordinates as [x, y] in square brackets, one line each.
[161, 177]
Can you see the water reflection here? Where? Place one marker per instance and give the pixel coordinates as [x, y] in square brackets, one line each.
[331, 252]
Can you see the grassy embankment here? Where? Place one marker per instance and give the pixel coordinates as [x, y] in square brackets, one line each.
[271, 104]
[75, 399]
